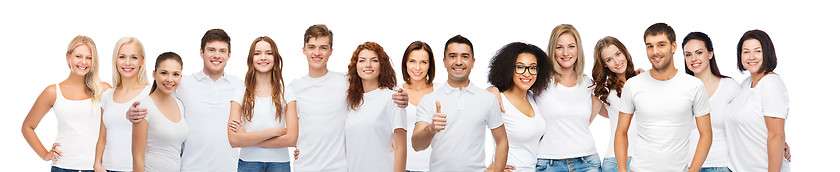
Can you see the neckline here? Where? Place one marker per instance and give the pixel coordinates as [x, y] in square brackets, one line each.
[164, 115]
[58, 86]
[504, 98]
[113, 95]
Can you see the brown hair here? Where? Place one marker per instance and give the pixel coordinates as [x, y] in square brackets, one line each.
[605, 79]
[215, 35]
[277, 84]
[418, 45]
[163, 57]
[318, 30]
[768, 63]
[387, 76]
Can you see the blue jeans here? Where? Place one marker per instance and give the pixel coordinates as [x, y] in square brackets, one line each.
[589, 163]
[611, 165]
[715, 169]
[56, 169]
[253, 166]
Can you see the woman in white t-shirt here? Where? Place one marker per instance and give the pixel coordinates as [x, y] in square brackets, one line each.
[75, 104]
[113, 150]
[569, 107]
[755, 125]
[609, 73]
[521, 71]
[418, 70]
[257, 122]
[157, 139]
[375, 128]
[700, 62]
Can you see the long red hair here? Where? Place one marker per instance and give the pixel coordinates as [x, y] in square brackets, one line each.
[387, 76]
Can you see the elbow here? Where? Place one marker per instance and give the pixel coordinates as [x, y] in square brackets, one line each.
[775, 136]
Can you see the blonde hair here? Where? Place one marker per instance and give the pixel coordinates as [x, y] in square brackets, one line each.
[141, 75]
[93, 85]
[552, 42]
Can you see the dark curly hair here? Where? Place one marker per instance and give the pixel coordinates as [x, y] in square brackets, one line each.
[502, 67]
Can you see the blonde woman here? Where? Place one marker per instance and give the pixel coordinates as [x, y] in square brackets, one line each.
[113, 150]
[75, 104]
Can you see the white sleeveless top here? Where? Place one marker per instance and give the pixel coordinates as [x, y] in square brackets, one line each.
[164, 138]
[117, 155]
[523, 133]
[78, 131]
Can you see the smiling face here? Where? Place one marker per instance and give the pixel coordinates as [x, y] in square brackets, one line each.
[565, 52]
[263, 57]
[129, 61]
[660, 51]
[614, 59]
[459, 61]
[367, 66]
[697, 56]
[317, 51]
[525, 71]
[752, 56]
[215, 56]
[417, 66]
[168, 76]
[80, 60]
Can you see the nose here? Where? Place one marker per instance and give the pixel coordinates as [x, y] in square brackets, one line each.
[417, 67]
[565, 52]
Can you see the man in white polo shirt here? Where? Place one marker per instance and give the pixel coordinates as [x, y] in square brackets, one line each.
[663, 101]
[453, 117]
[206, 97]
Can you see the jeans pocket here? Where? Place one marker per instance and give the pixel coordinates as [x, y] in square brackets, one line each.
[593, 161]
[542, 164]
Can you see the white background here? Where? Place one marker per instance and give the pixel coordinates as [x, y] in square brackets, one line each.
[35, 35]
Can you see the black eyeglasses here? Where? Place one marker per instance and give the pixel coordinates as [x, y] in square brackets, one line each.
[520, 69]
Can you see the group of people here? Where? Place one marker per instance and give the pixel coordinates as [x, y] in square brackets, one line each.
[538, 109]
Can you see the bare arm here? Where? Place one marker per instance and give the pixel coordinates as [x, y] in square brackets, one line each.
[500, 136]
[42, 105]
[620, 144]
[399, 150]
[775, 142]
[704, 125]
[138, 144]
[498, 94]
[422, 136]
[100, 145]
[242, 138]
[290, 138]
[596, 108]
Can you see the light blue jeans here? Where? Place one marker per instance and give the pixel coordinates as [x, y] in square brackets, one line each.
[611, 165]
[715, 169]
[252, 166]
[589, 163]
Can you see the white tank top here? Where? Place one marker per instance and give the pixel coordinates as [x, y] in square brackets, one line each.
[78, 131]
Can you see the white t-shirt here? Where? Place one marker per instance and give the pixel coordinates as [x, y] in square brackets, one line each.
[78, 131]
[460, 147]
[322, 112]
[415, 160]
[612, 113]
[718, 156]
[117, 155]
[523, 134]
[164, 138]
[567, 111]
[746, 131]
[207, 110]
[370, 132]
[663, 113]
[263, 117]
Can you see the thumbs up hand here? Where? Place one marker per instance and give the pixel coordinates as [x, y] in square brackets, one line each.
[439, 120]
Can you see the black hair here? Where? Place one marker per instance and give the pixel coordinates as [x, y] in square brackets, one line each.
[659, 28]
[458, 39]
[502, 67]
[700, 36]
[768, 63]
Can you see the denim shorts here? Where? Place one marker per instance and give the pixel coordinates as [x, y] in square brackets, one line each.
[715, 169]
[589, 163]
[611, 165]
[253, 166]
[56, 169]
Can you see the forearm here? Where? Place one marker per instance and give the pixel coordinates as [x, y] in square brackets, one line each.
[286, 140]
[100, 146]
[702, 151]
[250, 138]
[138, 145]
[422, 136]
[34, 142]
[775, 151]
[399, 150]
[620, 146]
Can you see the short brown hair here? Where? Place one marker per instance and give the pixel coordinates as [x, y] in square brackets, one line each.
[419, 45]
[318, 30]
[215, 35]
[768, 57]
[659, 28]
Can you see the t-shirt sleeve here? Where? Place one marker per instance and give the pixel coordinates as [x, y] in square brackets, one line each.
[701, 101]
[774, 98]
[426, 109]
[237, 96]
[494, 114]
[289, 94]
[625, 102]
[398, 119]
